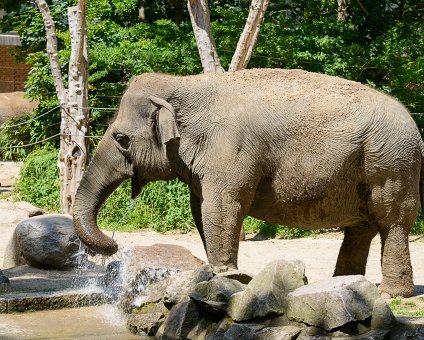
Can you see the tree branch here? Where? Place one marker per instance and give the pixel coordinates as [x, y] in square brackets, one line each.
[200, 20]
[249, 37]
[52, 50]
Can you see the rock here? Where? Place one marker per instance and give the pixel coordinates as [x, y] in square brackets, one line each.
[3, 278]
[278, 333]
[47, 241]
[382, 316]
[219, 330]
[148, 320]
[147, 266]
[247, 331]
[237, 275]
[147, 287]
[266, 294]
[29, 208]
[184, 283]
[212, 296]
[201, 330]
[160, 256]
[333, 303]
[181, 319]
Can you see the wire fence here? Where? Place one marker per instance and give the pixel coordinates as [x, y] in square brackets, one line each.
[62, 134]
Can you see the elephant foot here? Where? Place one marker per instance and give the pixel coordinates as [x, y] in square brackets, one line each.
[390, 290]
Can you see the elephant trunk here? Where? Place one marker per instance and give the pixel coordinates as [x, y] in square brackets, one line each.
[96, 185]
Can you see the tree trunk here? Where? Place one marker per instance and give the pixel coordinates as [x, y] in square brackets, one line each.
[73, 144]
[342, 10]
[200, 20]
[72, 157]
[248, 38]
[52, 50]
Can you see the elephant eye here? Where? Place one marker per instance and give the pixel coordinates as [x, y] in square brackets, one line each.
[123, 140]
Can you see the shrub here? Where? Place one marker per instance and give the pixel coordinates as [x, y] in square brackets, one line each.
[39, 180]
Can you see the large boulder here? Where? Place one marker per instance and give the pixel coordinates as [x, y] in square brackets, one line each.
[339, 303]
[266, 294]
[47, 241]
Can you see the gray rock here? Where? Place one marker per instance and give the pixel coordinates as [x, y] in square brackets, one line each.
[47, 241]
[181, 319]
[334, 302]
[148, 319]
[3, 278]
[278, 333]
[184, 283]
[219, 330]
[212, 296]
[201, 330]
[382, 316]
[160, 256]
[237, 275]
[266, 294]
[144, 274]
[147, 287]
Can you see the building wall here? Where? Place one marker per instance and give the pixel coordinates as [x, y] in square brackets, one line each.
[12, 74]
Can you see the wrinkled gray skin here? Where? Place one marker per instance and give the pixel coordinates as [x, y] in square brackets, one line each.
[285, 146]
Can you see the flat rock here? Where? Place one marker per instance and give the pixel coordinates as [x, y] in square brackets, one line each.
[334, 302]
[161, 256]
[266, 294]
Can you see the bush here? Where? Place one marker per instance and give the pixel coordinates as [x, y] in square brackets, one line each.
[39, 180]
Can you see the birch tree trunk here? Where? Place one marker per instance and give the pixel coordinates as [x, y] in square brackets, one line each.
[200, 20]
[248, 38]
[72, 157]
[73, 144]
[342, 10]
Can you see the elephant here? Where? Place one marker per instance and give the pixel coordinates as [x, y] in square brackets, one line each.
[289, 147]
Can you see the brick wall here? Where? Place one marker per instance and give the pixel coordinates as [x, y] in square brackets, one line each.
[12, 74]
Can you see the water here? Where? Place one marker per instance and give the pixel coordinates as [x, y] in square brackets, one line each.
[88, 323]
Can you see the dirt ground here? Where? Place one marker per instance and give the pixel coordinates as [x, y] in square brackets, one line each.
[319, 254]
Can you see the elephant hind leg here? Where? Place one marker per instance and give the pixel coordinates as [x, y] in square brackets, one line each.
[395, 262]
[354, 251]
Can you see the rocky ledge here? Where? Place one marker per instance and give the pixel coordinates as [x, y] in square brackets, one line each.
[170, 302]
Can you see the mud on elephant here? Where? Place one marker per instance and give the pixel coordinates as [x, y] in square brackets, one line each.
[285, 146]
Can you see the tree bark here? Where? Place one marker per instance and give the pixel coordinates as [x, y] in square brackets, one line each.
[342, 10]
[73, 144]
[52, 50]
[249, 37]
[72, 157]
[200, 20]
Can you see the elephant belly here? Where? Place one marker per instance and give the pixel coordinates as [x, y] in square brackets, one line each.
[321, 203]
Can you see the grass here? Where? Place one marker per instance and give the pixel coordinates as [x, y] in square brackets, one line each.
[408, 307]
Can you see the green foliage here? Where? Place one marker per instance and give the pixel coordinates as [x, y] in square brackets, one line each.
[382, 48]
[161, 206]
[39, 180]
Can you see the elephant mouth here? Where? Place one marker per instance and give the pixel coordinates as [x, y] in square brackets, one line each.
[137, 184]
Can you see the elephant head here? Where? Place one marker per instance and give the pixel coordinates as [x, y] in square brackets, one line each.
[132, 147]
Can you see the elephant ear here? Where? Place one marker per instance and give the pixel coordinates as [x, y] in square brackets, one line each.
[167, 123]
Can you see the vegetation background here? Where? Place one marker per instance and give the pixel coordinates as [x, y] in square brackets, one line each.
[380, 44]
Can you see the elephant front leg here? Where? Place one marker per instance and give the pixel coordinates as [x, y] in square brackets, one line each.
[396, 263]
[222, 218]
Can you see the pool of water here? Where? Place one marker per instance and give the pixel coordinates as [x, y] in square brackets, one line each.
[88, 323]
